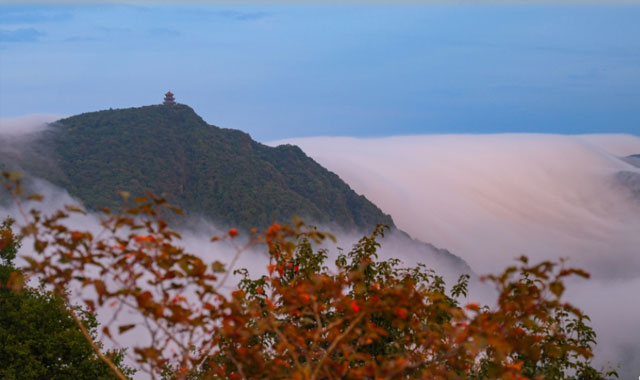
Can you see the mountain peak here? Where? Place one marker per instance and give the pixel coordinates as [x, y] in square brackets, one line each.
[220, 173]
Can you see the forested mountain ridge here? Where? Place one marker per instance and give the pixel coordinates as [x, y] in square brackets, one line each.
[217, 172]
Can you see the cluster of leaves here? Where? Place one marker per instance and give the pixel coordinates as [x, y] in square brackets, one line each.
[360, 318]
[219, 172]
[378, 320]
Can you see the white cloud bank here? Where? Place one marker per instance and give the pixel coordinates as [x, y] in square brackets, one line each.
[490, 198]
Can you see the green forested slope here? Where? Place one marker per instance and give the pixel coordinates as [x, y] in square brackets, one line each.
[220, 173]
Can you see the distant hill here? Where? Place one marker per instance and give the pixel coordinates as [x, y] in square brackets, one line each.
[634, 160]
[219, 173]
[630, 179]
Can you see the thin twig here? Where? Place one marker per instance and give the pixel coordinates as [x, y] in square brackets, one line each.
[335, 344]
[95, 347]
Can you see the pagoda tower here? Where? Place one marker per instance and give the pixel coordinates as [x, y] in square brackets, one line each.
[168, 99]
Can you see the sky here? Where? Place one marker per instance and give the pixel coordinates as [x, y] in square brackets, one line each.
[285, 70]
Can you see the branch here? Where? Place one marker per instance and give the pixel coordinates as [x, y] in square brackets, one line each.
[95, 347]
[290, 347]
[335, 344]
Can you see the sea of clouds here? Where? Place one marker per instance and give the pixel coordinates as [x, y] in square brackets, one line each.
[492, 198]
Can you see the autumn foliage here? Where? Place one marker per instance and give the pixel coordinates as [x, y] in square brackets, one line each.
[359, 317]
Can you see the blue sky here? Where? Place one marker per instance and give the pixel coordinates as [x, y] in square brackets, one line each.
[285, 70]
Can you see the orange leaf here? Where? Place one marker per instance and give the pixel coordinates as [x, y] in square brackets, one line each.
[124, 328]
[142, 238]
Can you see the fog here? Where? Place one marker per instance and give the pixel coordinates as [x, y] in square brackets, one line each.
[491, 198]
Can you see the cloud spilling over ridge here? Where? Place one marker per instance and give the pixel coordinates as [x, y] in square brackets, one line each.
[23, 125]
[491, 198]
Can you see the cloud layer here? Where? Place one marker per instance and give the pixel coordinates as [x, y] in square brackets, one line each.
[491, 198]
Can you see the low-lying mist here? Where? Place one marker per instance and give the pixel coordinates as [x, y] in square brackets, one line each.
[491, 198]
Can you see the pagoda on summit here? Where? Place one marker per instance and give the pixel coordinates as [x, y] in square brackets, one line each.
[168, 99]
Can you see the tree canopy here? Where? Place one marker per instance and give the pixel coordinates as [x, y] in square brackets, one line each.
[39, 338]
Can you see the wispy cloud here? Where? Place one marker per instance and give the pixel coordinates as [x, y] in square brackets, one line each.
[26, 124]
[80, 39]
[20, 35]
[164, 32]
[241, 16]
[207, 15]
[30, 15]
[113, 29]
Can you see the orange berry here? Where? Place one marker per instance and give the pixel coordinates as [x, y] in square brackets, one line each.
[233, 232]
[355, 307]
[401, 312]
[275, 227]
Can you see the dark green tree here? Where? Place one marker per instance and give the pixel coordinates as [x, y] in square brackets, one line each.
[39, 338]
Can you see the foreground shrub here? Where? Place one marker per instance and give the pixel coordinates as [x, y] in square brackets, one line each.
[360, 318]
